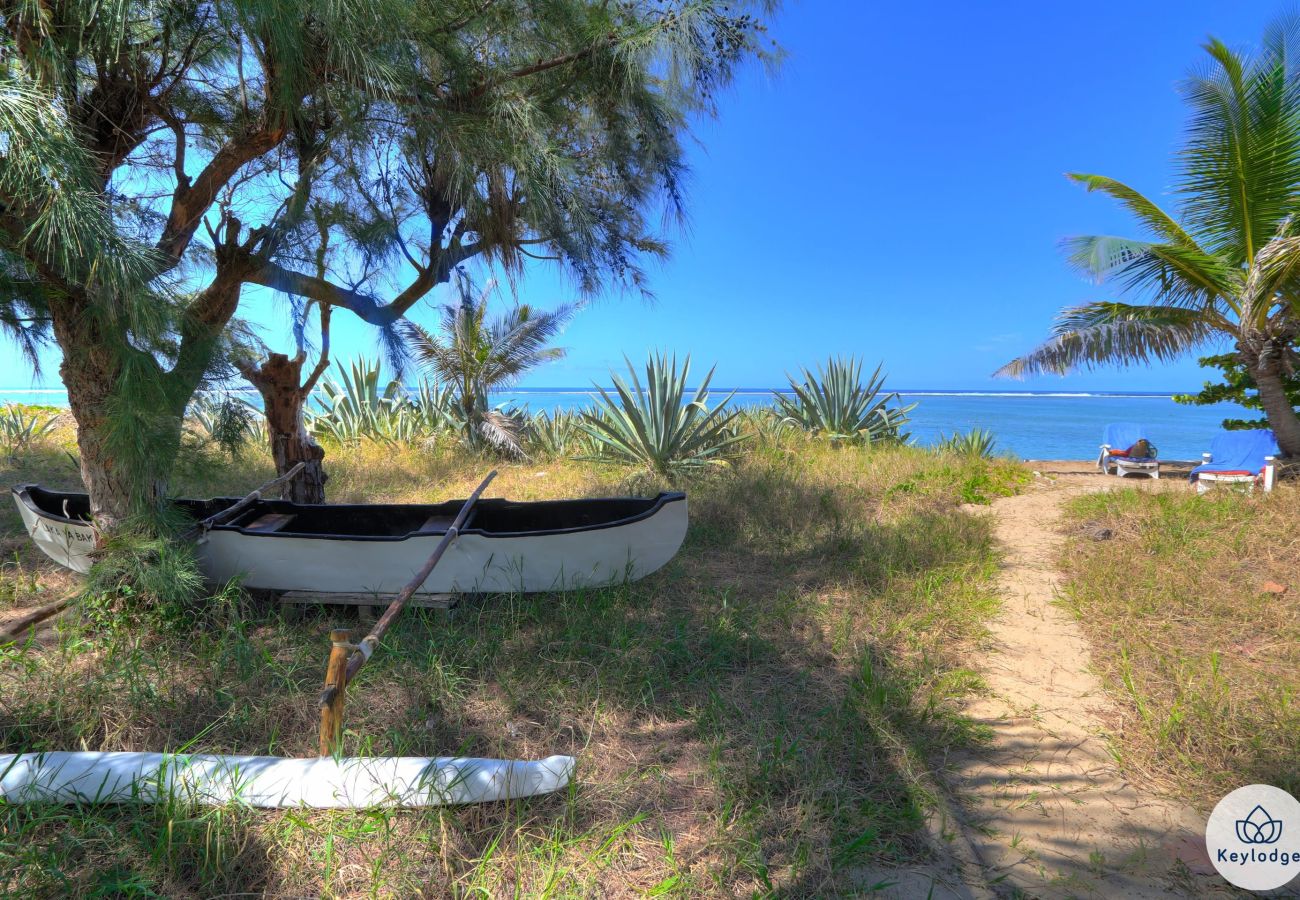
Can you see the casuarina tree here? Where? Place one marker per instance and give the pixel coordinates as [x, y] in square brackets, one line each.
[1227, 269]
[160, 157]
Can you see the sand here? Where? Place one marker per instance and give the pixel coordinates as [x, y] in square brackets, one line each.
[1043, 810]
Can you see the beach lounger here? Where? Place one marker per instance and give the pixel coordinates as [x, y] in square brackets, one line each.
[1238, 457]
[1116, 446]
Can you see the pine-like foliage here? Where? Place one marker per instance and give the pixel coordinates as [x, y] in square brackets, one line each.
[157, 157]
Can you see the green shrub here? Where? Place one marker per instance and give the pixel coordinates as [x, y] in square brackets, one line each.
[140, 579]
[556, 435]
[228, 422]
[357, 408]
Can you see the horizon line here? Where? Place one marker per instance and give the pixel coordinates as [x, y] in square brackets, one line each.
[577, 389]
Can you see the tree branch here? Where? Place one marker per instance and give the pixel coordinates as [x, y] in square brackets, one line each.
[542, 65]
[365, 306]
[191, 202]
[323, 362]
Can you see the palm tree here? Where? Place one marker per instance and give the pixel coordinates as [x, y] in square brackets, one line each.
[1229, 271]
[474, 355]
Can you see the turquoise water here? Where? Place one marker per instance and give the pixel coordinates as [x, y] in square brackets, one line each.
[1031, 425]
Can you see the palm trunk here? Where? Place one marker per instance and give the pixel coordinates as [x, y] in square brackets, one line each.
[278, 380]
[1277, 406]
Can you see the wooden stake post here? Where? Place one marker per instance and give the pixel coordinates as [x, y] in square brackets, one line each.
[331, 714]
[343, 668]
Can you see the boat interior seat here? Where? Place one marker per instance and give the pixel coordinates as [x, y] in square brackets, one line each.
[270, 522]
[435, 525]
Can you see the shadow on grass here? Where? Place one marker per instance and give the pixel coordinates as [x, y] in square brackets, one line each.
[759, 716]
[130, 851]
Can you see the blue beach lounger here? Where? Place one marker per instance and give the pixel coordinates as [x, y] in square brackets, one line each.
[1115, 444]
[1240, 457]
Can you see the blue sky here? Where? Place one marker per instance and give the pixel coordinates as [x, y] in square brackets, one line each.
[895, 191]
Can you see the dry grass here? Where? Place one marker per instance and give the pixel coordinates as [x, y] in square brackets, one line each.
[759, 717]
[1204, 659]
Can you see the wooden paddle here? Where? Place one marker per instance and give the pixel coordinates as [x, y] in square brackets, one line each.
[338, 674]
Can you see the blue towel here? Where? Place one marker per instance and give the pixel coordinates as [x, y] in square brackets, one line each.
[1123, 435]
[1233, 451]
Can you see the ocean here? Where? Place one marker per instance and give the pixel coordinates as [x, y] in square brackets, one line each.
[1028, 424]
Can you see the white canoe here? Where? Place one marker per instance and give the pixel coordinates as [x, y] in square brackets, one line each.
[377, 548]
[274, 782]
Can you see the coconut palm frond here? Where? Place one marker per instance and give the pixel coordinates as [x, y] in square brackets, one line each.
[1099, 333]
[1173, 274]
[1241, 164]
[472, 355]
[503, 431]
[1144, 210]
[1272, 286]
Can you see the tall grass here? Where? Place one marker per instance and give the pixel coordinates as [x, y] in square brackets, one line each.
[1204, 660]
[759, 717]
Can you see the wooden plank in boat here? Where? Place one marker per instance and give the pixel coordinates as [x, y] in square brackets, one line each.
[435, 525]
[270, 522]
[304, 598]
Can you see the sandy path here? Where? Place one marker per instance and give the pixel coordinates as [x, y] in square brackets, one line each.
[1043, 811]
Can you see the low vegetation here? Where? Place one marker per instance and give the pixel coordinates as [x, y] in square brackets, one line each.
[976, 442]
[472, 355]
[760, 717]
[21, 427]
[835, 403]
[1191, 611]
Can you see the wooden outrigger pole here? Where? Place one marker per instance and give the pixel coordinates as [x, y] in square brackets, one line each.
[229, 511]
[347, 659]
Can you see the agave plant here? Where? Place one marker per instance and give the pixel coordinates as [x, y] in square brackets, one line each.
[976, 442]
[656, 426]
[556, 435]
[20, 429]
[355, 408]
[834, 403]
[223, 420]
[766, 424]
[434, 408]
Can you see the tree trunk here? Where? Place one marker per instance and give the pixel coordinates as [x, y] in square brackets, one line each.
[1277, 406]
[278, 380]
[127, 444]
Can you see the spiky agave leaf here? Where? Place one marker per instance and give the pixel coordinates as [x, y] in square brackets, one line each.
[555, 435]
[19, 429]
[976, 442]
[655, 426]
[835, 403]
